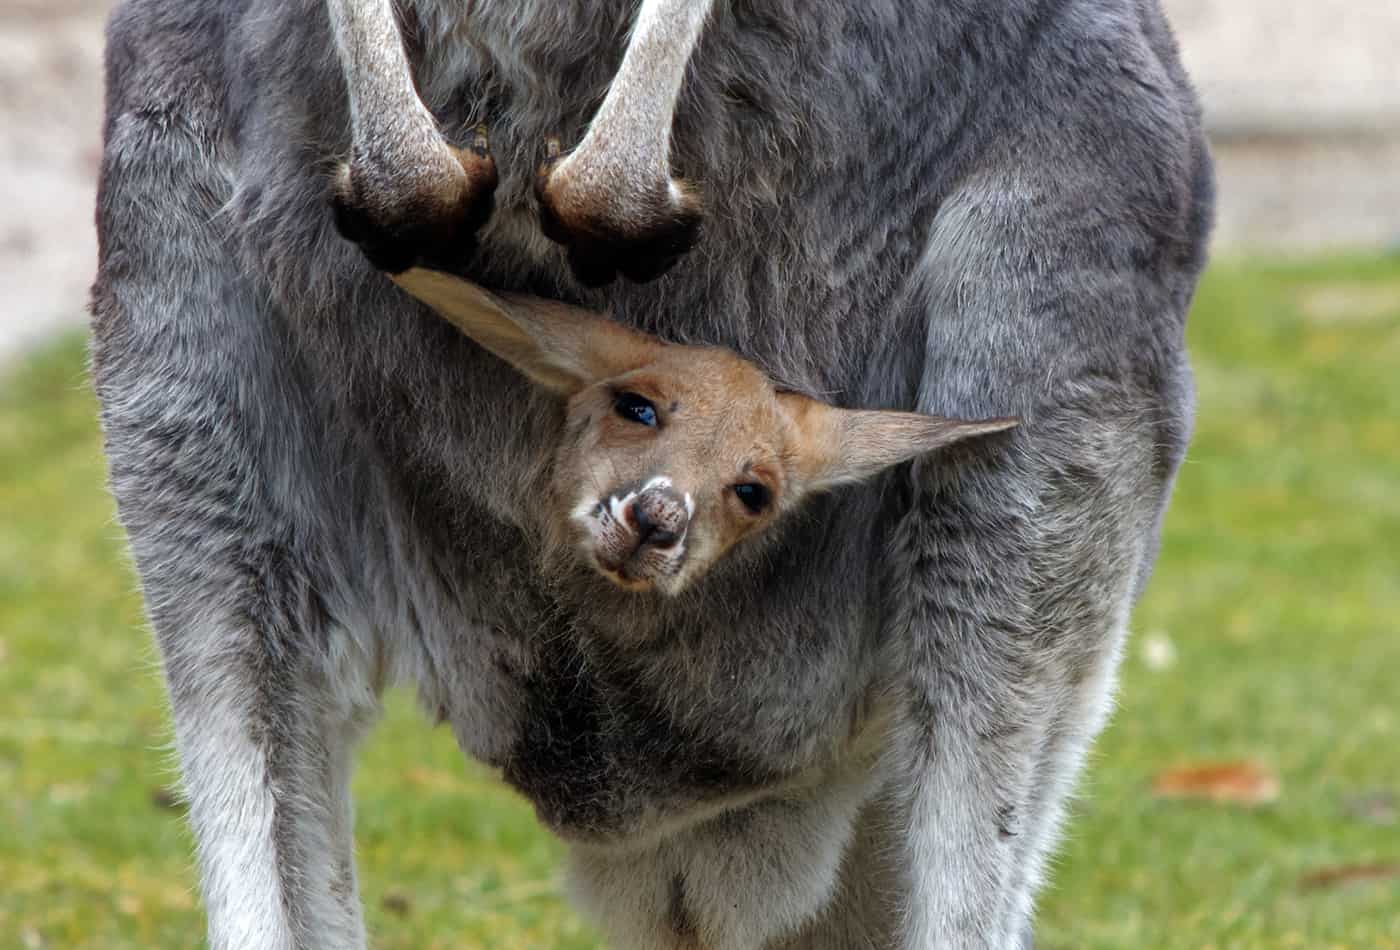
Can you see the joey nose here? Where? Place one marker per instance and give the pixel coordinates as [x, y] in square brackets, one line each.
[649, 532]
[660, 518]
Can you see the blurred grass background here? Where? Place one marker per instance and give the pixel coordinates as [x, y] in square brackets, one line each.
[1271, 633]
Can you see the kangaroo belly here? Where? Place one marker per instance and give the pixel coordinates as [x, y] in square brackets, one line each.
[621, 715]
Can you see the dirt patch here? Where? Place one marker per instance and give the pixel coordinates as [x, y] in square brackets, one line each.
[1351, 303]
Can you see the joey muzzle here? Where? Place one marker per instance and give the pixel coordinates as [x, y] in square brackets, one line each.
[638, 534]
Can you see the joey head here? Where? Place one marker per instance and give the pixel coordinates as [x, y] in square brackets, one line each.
[671, 454]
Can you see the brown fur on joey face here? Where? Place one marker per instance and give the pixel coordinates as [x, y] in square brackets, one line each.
[669, 466]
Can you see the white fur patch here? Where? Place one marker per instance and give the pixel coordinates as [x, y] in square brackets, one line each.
[617, 507]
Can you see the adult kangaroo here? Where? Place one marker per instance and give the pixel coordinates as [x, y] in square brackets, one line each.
[857, 732]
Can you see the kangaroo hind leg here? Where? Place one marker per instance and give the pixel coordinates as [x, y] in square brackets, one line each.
[612, 202]
[406, 196]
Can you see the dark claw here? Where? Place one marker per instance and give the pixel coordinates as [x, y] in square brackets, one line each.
[598, 252]
[434, 230]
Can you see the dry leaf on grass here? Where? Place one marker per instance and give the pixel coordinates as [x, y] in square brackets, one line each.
[397, 903]
[1344, 874]
[433, 780]
[1235, 783]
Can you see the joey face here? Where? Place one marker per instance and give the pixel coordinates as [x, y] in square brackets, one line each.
[665, 468]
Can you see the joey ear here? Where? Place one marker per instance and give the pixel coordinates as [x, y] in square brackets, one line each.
[837, 446]
[558, 346]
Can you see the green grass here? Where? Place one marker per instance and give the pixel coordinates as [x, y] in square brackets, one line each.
[1278, 585]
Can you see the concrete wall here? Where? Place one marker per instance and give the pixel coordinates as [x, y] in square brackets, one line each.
[1302, 101]
[1329, 65]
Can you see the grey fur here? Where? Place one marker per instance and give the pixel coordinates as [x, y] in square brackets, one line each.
[861, 734]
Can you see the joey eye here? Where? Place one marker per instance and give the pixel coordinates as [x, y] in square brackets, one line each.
[635, 408]
[754, 496]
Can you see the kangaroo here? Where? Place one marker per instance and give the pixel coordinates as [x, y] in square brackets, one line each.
[674, 454]
[855, 726]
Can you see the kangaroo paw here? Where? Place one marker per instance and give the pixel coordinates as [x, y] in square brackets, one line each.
[615, 223]
[424, 212]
